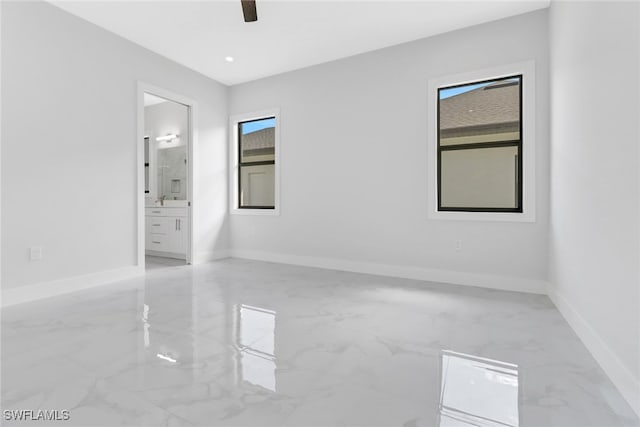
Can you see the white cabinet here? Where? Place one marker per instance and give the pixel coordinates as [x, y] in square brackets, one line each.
[177, 234]
[167, 231]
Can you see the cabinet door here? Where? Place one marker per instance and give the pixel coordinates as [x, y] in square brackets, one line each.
[176, 232]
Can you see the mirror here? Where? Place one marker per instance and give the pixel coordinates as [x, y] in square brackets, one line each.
[166, 143]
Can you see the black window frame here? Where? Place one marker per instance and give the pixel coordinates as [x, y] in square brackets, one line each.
[480, 145]
[258, 163]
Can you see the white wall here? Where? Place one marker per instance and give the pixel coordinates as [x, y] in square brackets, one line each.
[354, 164]
[595, 186]
[69, 170]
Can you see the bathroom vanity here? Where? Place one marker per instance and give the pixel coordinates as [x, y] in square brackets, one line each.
[167, 231]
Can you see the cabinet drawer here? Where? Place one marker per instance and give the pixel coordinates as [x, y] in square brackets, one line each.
[155, 212]
[157, 242]
[156, 224]
[165, 211]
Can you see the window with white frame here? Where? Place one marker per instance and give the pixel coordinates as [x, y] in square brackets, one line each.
[255, 155]
[483, 147]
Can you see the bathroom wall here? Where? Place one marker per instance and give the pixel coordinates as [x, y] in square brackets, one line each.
[167, 158]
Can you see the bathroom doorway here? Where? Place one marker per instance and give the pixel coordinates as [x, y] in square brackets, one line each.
[165, 125]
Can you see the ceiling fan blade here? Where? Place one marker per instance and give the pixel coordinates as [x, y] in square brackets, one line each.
[249, 10]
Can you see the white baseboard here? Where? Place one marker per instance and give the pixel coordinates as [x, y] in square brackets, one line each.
[22, 294]
[207, 256]
[516, 284]
[621, 377]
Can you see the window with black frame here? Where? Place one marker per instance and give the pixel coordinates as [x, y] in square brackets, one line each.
[480, 146]
[256, 163]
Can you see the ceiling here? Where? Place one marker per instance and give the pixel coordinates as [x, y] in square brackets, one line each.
[288, 35]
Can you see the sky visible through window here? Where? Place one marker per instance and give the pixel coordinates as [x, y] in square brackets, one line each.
[448, 93]
[257, 125]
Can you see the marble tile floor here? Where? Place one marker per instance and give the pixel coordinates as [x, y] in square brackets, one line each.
[246, 343]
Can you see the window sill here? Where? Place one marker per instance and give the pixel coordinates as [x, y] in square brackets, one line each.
[256, 212]
[482, 216]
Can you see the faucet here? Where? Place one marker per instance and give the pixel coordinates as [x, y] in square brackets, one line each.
[162, 200]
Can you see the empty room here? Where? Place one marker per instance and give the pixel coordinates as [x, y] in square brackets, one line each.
[320, 213]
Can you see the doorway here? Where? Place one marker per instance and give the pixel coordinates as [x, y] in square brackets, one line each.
[165, 175]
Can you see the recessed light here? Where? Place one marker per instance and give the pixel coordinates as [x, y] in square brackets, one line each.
[228, 58]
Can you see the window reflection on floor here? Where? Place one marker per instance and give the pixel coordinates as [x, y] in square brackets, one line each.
[477, 392]
[146, 325]
[167, 351]
[257, 344]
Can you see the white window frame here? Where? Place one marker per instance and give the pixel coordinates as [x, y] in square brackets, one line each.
[234, 165]
[528, 214]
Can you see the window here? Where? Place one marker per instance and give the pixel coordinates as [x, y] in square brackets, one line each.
[480, 146]
[255, 154]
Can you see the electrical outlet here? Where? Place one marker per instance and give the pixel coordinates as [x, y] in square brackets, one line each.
[458, 245]
[35, 253]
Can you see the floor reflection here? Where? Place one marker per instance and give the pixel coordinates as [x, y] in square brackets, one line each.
[477, 392]
[146, 325]
[256, 340]
[167, 330]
